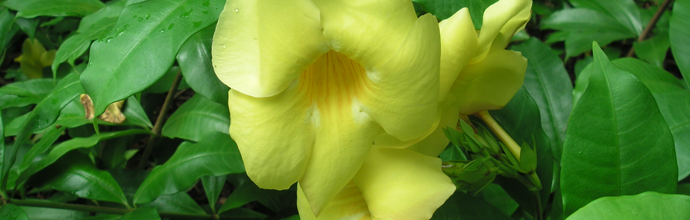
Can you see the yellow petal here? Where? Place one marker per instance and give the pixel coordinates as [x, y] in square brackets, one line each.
[402, 184]
[260, 47]
[434, 143]
[458, 44]
[347, 204]
[501, 21]
[369, 32]
[491, 83]
[274, 135]
[343, 139]
[403, 94]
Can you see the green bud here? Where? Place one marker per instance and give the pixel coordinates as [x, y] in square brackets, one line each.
[528, 158]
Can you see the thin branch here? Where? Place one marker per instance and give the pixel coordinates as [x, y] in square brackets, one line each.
[647, 30]
[160, 121]
[502, 135]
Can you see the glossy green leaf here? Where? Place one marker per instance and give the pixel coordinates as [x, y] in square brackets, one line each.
[245, 191]
[41, 147]
[39, 213]
[143, 47]
[7, 29]
[679, 35]
[648, 205]
[520, 118]
[445, 9]
[73, 144]
[200, 113]
[45, 112]
[670, 96]
[163, 84]
[213, 185]
[215, 154]
[549, 84]
[194, 59]
[653, 50]
[179, 202]
[578, 19]
[499, 198]
[27, 25]
[24, 93]
[463, 206]
[12, 212]
[617, 141]
[74, 173]
[55, 8]
[78, 44]
[624, 11]
[581, 41]
[142, 213]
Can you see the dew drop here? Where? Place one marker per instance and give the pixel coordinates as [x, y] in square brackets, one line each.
[205, 12]
[237, 10]
[196, 24]
[90, 63]
[147, 17]
[171, 26]
[162, 31]
[223, 46]
[121, 33]
[109, 40]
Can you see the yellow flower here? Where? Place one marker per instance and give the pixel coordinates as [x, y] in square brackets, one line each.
[392, 184]
[315, 81]
[477, 73]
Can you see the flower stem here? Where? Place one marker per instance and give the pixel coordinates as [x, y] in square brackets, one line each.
[160, 120]
[502, 135]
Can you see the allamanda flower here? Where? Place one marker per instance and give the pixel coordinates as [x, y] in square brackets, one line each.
[477, 73]
[315, 81]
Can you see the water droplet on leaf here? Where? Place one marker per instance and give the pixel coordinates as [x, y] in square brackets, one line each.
[237, 10]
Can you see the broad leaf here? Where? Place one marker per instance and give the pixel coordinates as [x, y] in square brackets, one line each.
[617, 141]
[679, 34]
[12, 212]
[55, 8]
[215, 154]
[24, 93]
[200, 113]
[670, 96]
[45, 112]
[142, 213]
[74, 173]
[548, 83]
[213, 185]
[245, 191]
[77, 44]
[143, 47]
[179, 202]
[463, 206]
[39, 213]
[195, 61]
[624, 11]
[648, 205]
[444, 9]
[7, 29]
[653, 50]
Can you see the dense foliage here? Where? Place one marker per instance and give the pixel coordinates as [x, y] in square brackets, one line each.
[605, 105]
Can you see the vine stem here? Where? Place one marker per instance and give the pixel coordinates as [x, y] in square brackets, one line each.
[160, 120]
[651, 24]
[537, 206]
[106, 210]
[502, 135]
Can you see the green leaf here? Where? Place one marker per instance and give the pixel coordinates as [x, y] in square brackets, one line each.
[579, 19]
[496, 196]
[143, 47]
[445, 9]
[41, 147]
[7, 29]
[195, 61]
[679, 35]
[27, 25]
[215, 154]
[245, 191]
[520, 118]
[75, 174]
[624, 11]
[204, 115]
[12, 212]
[78, 44]
[45, 112]
[213, 185]
[549, 84]
[648, 205]
[39, 213]
[581, 41]
[54, 8]
[73, 115]
[463, 206]
[179, 202]
[670, 96]
[653, 50]
[142, 213]
[2, 144]
[617, 141]
[24, 93]
[73, 144]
